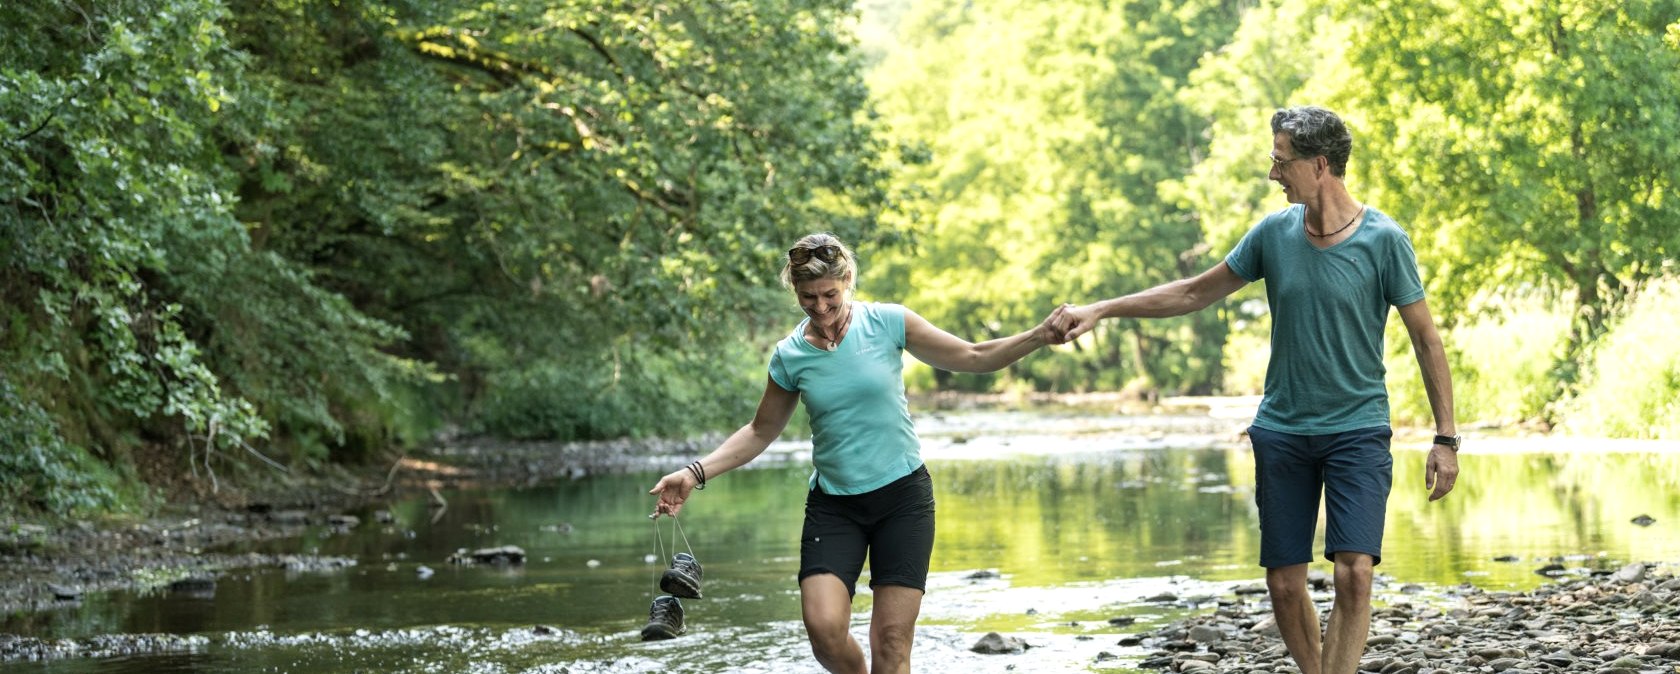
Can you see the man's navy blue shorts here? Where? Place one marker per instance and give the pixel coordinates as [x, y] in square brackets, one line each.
[893, 525]
[1353, 469]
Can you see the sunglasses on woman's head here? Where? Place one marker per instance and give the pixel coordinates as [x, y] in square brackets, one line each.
[799, 255]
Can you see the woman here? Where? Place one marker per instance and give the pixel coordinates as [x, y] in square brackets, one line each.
[870, 494]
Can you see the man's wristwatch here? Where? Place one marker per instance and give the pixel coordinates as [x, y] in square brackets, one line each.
[1451, 441]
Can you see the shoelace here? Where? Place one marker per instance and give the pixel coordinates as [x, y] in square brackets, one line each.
[662, 611]
[659, 548]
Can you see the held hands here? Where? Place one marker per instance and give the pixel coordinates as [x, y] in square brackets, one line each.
[1068, 322]
[1054, 328]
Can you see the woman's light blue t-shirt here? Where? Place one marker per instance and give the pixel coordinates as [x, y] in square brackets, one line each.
[1328, 310]
[861, 435]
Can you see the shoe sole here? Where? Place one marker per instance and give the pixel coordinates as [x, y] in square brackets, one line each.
[678, 586]
[659, 632]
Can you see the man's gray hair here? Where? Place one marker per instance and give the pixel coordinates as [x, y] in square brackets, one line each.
[1315, 131]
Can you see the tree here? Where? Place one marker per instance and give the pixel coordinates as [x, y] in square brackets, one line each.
[1053, 129]
[1538, 142]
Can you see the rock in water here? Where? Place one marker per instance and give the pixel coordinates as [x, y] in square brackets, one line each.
[995, 644]
[507, 554]
[1644, 520]
[63, 592]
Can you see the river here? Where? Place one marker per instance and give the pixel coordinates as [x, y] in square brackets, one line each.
[1077, 519]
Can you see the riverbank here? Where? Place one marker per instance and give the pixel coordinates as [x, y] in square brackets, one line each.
[50, 564]
[1626, 622]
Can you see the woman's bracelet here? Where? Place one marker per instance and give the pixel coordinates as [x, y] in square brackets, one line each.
[699, 473]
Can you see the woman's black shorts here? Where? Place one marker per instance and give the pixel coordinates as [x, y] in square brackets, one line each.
[893, 525]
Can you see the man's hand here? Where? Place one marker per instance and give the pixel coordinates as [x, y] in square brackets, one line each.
[1441, 472]
[1078, 321]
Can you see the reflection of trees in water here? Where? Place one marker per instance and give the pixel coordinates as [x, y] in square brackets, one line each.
[1117, 516]
[1534, 506]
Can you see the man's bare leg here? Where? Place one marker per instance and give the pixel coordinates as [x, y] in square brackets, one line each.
[1350, 617]
[1297, 619]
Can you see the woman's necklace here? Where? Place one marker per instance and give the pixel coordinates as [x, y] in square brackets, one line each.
[1355, 217]
[839, 332]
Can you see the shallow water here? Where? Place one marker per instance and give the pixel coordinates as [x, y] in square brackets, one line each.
[1083, 518]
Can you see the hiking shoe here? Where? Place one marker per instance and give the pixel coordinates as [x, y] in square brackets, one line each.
[665, 619]
[683, 578]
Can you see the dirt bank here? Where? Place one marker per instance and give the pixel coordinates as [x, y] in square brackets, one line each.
[48, 563]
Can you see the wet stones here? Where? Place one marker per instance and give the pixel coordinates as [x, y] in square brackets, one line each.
[63, 592]
[505, 556]
[313, 563]
[1623, 621]
[13, 647]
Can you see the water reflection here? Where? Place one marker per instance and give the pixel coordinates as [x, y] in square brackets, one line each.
[1079, 528]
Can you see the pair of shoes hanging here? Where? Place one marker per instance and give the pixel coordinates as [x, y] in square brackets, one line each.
[682, 579]
[665, 617]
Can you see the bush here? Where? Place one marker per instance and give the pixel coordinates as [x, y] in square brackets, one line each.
[1632, 383]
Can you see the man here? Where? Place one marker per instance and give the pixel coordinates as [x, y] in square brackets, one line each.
[1333, 267]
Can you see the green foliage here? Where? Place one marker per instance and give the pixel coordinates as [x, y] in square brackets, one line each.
[1052, 131]
[1632, 383]
[1533, 144]
[314, 230]
[629, 395]
[535, 193]
[104, 167]
[1502, 366]
[45, 473]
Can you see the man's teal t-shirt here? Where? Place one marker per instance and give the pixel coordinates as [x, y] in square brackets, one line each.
[1328, 309]
[861, 435]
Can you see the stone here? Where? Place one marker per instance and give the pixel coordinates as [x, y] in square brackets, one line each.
[506, 555]
[64, 592]
[1205, 634]
[997, 644]
[1631, 573]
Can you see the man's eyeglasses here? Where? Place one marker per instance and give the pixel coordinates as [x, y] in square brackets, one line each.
[799, 255]
[1279, 163]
